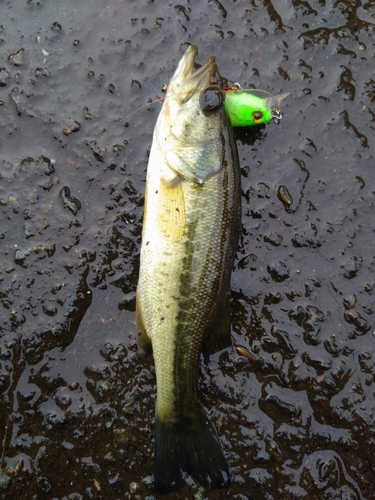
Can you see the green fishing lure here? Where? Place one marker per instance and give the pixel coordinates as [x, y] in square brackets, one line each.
[244, 109]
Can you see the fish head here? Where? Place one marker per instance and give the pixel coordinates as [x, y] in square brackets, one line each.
[192, 118]
[187, 92]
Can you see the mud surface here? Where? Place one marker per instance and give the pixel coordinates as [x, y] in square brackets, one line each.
[77, 402]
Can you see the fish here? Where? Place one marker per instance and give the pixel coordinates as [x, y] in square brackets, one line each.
[189, 241]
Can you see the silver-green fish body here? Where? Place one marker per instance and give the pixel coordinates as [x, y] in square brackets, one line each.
[189, 240]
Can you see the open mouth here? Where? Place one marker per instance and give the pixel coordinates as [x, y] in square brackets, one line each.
[185, 74]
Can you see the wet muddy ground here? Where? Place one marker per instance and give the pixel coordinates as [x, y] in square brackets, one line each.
[77, 402]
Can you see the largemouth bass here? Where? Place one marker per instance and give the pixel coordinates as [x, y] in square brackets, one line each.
[189, 241]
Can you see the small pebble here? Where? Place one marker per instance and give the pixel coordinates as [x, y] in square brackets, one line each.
[133, 487]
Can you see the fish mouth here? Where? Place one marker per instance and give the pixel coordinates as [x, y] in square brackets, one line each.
[185, 67]
[187, 81]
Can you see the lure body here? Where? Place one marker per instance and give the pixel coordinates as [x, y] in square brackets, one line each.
[244, 109]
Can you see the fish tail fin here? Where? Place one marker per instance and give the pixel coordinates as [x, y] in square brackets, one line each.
[188, 445]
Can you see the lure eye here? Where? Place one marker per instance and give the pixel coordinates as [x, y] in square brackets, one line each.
[257, 116]
[211, 100]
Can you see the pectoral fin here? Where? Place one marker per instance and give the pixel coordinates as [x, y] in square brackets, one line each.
[171, 218]
[219, 337]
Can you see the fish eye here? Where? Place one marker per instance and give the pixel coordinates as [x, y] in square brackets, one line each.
[257, 116]
[211, 100]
